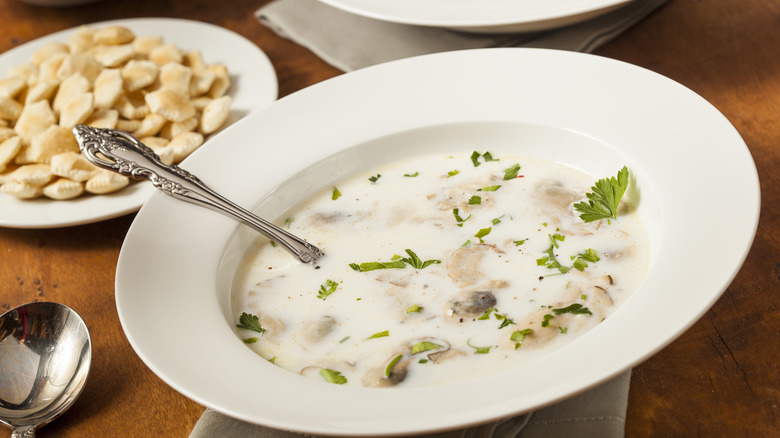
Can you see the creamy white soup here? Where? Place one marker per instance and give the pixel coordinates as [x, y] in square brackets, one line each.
[438, 269]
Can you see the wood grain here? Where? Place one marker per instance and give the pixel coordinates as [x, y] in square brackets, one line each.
[720, 378]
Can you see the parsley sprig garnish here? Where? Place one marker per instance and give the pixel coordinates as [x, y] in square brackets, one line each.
[247, 321]
[603, 201]
[397, 262]
[328, 288]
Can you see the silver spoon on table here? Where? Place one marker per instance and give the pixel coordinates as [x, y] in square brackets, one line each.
[120, 152]
[45, 353]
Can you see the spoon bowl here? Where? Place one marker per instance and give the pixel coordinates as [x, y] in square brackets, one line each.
[45, 354]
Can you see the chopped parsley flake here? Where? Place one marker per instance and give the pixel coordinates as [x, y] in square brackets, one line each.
[519, 242]
[482, 233]
[486, 315]
[333, 376]
[424, 346]
[575, 308]
[453, 173]
[288, 222]
[458, 219]
[519, 335]
[415, 261]
[336, 194]
[389, 369]
[580, 260]
[546, 321]
[328, 288]
[412, 175]
[374, 179]
[414, 308]
[489, 188]
[479, 350]
[380, 334]
[371, 266]
[250, 340]
[247, 321]
[475, 200]
[563, 330]
[511, 172]
[486, 157]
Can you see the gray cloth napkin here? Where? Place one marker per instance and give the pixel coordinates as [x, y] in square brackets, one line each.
[349, 42]
[597, 413]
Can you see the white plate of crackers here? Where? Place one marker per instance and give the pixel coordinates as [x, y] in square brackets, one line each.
[172, 83]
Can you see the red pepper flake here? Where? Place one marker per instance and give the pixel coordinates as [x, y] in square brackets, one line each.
[521, 176]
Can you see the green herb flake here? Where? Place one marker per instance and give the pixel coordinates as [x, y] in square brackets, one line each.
[575, 308]
[486, 315]
[424, 346]
[415, 261]
[374, 179]
[605, 197]
[505, 322]
[414, 308]
[383, 334]
[288, 222]
[344, 340]
[563, 330]
[519, 335]
[497, 220]
[333, 376]
[519, 242]
[511, 172]
[479, 350]
[452, 173]
[336, 194]
[250, 340]
[482, 233]
[475, 200]
[458, 219]
[372, 266]
[247, 321]
[489, 188]
[272, 360]
[546, 320]
[389, 368]
[328, 288]
[422, 361]
[412, 175]
[486, 157]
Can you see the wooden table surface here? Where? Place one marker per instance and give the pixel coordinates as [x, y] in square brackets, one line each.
[720, 378]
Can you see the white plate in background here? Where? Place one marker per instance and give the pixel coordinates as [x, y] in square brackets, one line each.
[483, 16]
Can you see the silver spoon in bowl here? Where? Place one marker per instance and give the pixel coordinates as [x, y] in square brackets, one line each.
[120, 152]
[45, 353]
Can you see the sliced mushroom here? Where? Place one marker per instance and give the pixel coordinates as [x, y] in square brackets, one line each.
[318, 329]
[385, 375]
[469, 304]
[463, 265]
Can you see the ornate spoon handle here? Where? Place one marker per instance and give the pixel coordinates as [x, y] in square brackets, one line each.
[120, 152]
